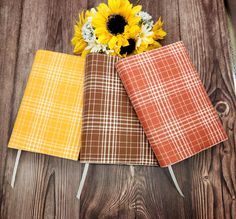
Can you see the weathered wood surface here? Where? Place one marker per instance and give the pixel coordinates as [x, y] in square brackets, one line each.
[46, 186]
[231, 8]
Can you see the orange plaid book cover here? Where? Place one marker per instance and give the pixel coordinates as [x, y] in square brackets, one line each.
[50, 115]
[171, 103]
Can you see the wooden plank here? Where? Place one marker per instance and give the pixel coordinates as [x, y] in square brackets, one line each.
[45, 185]
[206, 37]
[10, 21]
[231, 6]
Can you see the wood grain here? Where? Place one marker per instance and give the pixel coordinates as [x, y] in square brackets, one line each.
[43, 182]
[46, 186]
[231, 7]
[10, 21]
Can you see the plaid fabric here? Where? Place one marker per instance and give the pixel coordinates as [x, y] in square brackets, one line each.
[171, 103]
[111, 131]
[49, 118]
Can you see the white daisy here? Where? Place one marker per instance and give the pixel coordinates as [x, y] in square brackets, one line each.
[88, 31]
[145, 35]
[98, 47]
[145, 18]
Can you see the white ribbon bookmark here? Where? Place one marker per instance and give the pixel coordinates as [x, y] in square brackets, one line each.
[81, 185]
[131, 170]
[15, 168]
[175, 180]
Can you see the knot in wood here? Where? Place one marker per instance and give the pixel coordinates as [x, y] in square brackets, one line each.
[222, 108]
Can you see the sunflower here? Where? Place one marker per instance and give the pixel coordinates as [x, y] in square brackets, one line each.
[78, 40]
[116, 24]
[116, 28]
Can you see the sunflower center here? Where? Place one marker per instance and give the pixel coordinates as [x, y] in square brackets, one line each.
[128, 49]
[116, 24]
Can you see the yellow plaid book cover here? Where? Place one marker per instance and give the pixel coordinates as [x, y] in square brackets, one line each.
[50, 115]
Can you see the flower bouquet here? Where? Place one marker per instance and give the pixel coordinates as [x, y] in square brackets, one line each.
[117, 28]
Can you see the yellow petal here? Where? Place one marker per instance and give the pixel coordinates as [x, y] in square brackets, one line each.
[136, 9]
[114, 5]
[100, 31]
[158, 24]
[85, 52]
[134, 20]
[104, 39]
[112, 42]
[102, 7]
[122, 41]
[99, 20]
[79, 47]
[159, 34]
[134, 30]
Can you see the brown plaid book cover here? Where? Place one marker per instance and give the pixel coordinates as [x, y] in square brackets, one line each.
[111, 131]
